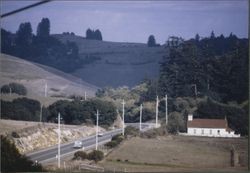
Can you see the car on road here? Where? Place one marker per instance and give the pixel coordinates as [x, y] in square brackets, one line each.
[100, 134]
[77, 144]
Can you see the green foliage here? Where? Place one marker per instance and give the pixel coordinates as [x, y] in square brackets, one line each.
[151, 90]
[236, 116]
[80, 155]
[96, 155]
[151, 41]
[216, 67]
[115, 141]
[43, 29]
[131, 131]
[14, 88]
[93, 35]
[20, 109]
[13, 161]
[15, 134]
[24, 34]
[175, 123]
[111, 144]
[42, 48]
[153, 133]
[118, 138]
[77, 112]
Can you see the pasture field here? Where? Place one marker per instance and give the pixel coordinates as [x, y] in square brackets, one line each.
[176, 153]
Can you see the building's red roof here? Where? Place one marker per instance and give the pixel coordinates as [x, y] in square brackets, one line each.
[208, 123]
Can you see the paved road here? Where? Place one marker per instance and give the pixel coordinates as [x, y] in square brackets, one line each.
[50, 153]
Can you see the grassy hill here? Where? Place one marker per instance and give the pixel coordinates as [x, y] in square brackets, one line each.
[115, 64]
[33, 76]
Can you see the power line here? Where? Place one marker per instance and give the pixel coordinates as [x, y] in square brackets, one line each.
[25, 8]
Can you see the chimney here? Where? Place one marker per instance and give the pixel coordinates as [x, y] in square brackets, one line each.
[190, 117]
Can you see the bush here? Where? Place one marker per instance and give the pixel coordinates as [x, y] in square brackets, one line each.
[153, 133]
[13, 161]
[15, 134]
[15, 88]
[96, 155]
[131, 131]
[80, 155]
[118, 138]
[236, 116]
[175, 123]
[77, 112]
[21, 109]
[111, 144]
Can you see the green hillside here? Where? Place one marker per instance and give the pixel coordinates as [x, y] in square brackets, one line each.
[113, 63]
[33, 77]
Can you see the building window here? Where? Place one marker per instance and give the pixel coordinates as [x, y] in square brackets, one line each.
[210, 131]
[202, 131]
[194, 131]
[218, 132]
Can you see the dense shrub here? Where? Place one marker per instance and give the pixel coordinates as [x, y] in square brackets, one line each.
[14, 88]
[153, 133]
[175, 123]
[96, 155]
[77, 112]
[236, 116]
[13, 161]
[15, 134]
[131, 131]
[116, 140]
[80, 155]
[111, 144]
[21, 109]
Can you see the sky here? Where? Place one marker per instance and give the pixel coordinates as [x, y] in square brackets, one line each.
[134, 21]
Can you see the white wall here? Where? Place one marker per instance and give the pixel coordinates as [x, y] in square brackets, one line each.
[210, 132]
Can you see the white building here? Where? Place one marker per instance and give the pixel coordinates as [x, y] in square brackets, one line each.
[209, 127]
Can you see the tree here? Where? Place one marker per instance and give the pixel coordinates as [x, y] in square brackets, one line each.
[89, 34]
[14, 88]
[21, 109]
[197, 38]
[43, 28]
[24, 34]
[80, 155]
[212, 35]
[96, 155]
[6, 42]
[175, 123]
[77, 112]
[98, 34]
[13, 161]
[151, 41]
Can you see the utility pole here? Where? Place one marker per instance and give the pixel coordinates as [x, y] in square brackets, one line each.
[140, 116]
[96, 138]
[123, 124]
[45, 89]
[10, 91]
[156, 112]
[41, 112]
[166, 109]
[85, 96]
[59, 141]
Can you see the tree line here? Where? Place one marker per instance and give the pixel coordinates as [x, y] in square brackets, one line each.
[73, 112]
[213, 66]
[93, 34]
[42, 47]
